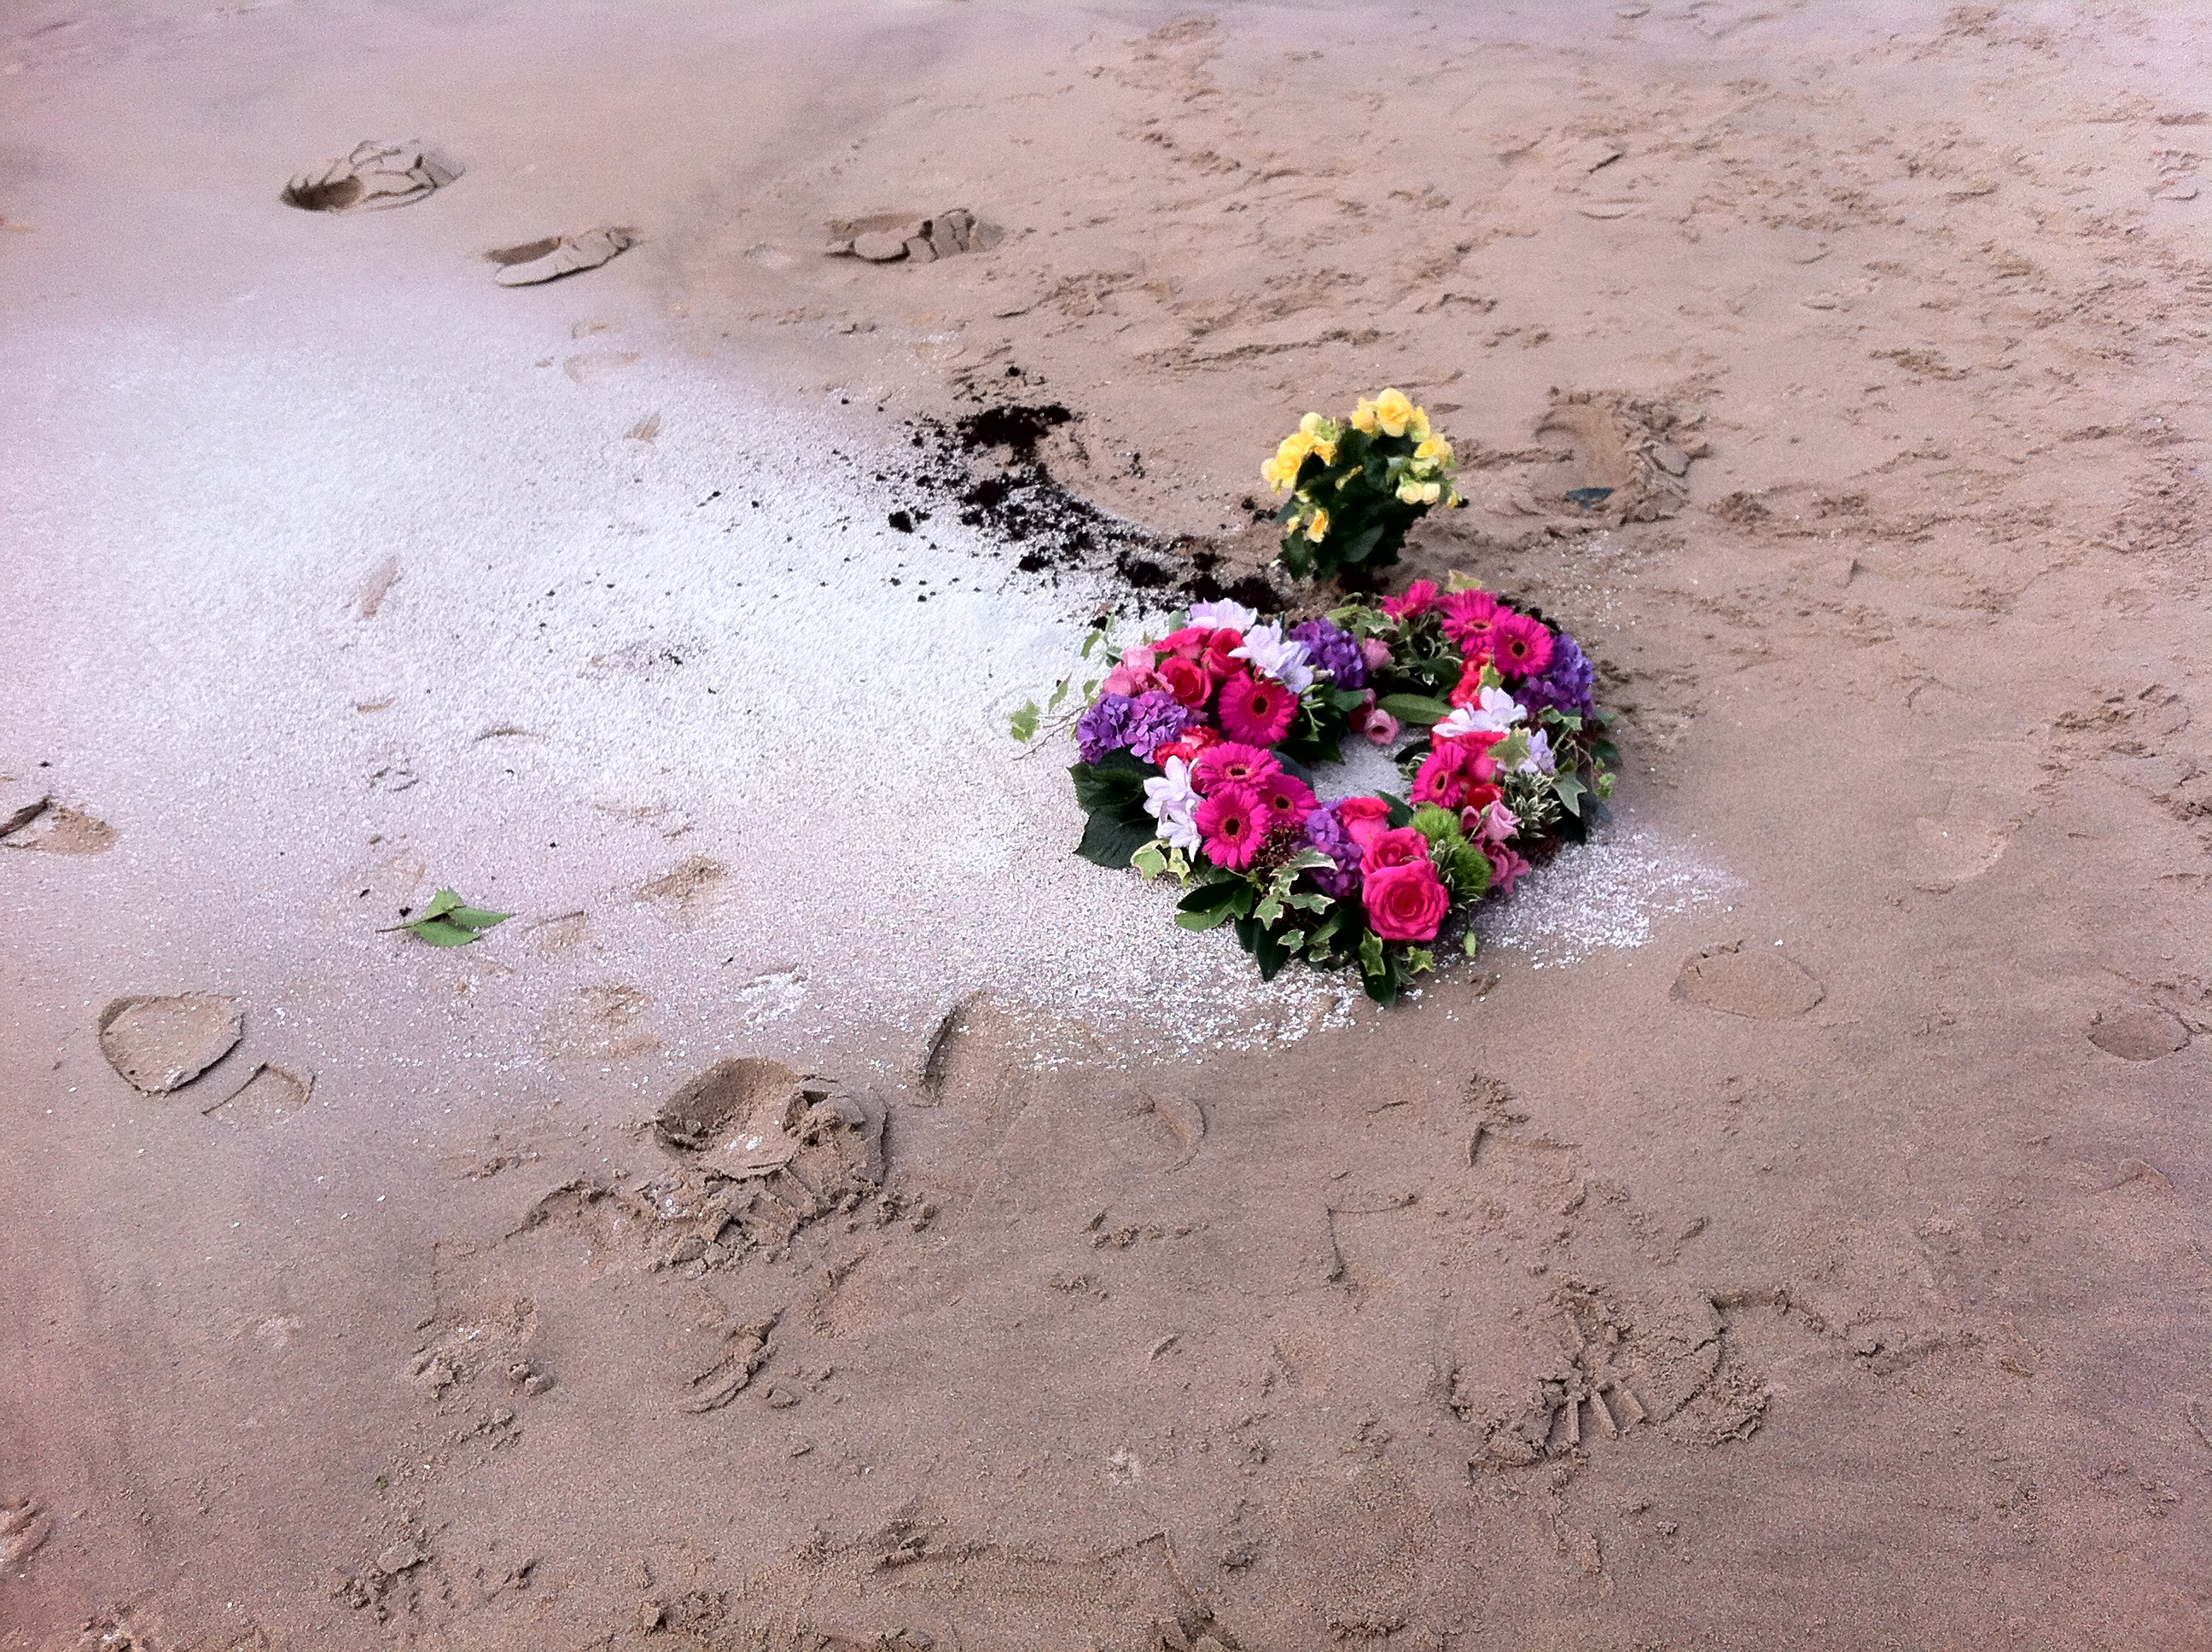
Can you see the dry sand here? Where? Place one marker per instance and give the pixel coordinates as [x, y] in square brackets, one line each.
[1790, 1232]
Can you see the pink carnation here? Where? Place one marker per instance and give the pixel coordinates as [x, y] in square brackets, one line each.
[1507, 867]
[1421, 597]
[1256, 710]
[1234, 823]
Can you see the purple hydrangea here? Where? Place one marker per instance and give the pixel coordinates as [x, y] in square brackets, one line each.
[1155, 717]
[1567, 683]
[1334, 649]
[1139, 725]
[1325, 832]
[1104, 727]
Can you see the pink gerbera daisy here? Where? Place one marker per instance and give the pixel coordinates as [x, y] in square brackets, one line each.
[1468, 615]
[1287, 800]
[1234, 823]
[1231, 762]
[1519, 645]
[1256, 710]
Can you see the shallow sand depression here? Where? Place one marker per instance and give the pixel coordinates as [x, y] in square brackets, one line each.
[1789, 1230]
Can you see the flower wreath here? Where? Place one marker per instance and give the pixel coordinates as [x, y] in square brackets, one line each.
[1195, 749]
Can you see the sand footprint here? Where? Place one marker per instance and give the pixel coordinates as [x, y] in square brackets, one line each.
[557, 256]
[890, 237]
[375, 175]
[161, 1044]
[1759, 983]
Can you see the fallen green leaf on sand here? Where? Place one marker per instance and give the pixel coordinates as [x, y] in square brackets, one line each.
[446, 922]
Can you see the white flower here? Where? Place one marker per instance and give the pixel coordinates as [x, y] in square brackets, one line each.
[1222, 616]
[1281, 657]
[1171, 800]
[1540, 760]
[1497, 714]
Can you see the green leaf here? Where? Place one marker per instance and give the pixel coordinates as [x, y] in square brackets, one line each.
[1023, 725]
[1152, 859]
[1401, 813]
[1198, 923]
[1298, 560]
[1570, 790]
[1420, 960]
[1218, 895]
[1418, 709]
[1109, 840]
[1058, 693]
[1474, 944]
[441, 903]
[477, 917]
[1116, 782]
[440, 931]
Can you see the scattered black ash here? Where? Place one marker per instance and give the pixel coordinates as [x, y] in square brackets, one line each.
[984, 469]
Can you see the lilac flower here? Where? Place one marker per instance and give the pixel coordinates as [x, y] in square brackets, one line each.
[1222, 616]
[1567, 681]
[1280, 657]
[1335, 650]
[1171, 800]
[1325, 832]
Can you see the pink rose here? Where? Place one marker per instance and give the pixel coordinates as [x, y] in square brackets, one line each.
[1364, 819]
[1399, 848]
[1405, 902]
[1189, 642]
[1375, 652]
[1130, 679]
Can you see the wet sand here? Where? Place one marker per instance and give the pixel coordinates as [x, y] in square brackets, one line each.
[1789, 1232]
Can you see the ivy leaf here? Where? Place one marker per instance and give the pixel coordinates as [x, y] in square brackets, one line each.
[1570, 790]
[1152, 859]
[1023, 724]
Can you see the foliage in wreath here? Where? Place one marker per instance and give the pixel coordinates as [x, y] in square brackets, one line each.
[1196, 749]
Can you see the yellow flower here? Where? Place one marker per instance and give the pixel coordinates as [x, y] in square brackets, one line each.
[1393, 411]
[1312, 425]
[1317, 529]
[1435, 448]
[1409, 492]
[1431, 492]
[1281, 471]
[1419, 424]
[1362, 417]
[1328, 452]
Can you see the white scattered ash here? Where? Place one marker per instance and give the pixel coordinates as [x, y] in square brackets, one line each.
[1603, 894]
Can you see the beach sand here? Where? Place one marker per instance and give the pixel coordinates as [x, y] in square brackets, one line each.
[1790, 1231]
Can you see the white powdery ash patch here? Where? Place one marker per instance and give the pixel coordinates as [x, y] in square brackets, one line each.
[593, 644]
